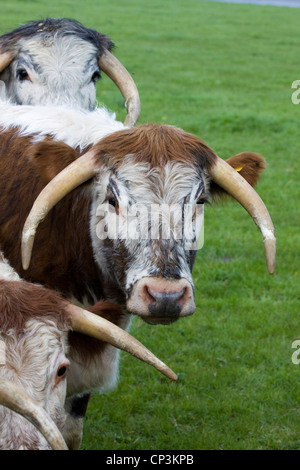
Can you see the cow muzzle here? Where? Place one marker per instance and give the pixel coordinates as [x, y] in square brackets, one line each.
[159, 300]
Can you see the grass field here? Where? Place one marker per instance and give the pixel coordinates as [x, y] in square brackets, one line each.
[223, 72]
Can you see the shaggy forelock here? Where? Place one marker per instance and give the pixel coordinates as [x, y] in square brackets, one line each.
[48, 27]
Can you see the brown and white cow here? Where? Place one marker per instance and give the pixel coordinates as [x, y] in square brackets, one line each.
[40, 349]
[149, 165]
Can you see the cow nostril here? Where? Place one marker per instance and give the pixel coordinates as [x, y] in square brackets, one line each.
[154, 296]
[182, 295]
[149, 295]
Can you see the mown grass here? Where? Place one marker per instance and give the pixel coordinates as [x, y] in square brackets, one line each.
[223, 72]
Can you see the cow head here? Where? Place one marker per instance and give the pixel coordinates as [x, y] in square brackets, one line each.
[58, 61]
[143, 171]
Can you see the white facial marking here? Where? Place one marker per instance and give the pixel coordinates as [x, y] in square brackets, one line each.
[32, 361]
[59, 71]
[139, 188]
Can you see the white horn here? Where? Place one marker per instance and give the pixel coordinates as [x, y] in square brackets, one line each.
[18, 401]
[5, 60]
[97, 327]
[235, 185]
[121, 77]
[78, 172]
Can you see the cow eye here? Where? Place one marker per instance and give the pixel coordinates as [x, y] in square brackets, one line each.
[61, 372]
[95, 76]
[22, 75]
[202, 200]
[112, 202]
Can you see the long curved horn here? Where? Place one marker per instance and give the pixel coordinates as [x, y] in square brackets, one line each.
[84, 168]
[5, 60]
[230, 180]
[17, 400]
[121, 77]
[78, 172]
[97, 327]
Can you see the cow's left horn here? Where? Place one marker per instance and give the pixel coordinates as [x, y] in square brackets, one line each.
[20, 402]
[230, 180]
[97, 327]
[121, 77]
[5, 60]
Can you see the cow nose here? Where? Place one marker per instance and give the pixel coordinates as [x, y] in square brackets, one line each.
[162, 302]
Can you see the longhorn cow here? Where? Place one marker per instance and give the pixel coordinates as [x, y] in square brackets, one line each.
[62, 168]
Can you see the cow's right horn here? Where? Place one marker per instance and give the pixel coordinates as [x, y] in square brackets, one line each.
[5, 60]
[121, 77]
[18, 401]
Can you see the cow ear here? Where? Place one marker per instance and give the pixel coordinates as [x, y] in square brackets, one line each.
[249, 165]
[51, 158]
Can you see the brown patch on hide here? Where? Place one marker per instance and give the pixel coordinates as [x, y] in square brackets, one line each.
[51, 158]
[157, 145]
[21, 301]
[68, 267]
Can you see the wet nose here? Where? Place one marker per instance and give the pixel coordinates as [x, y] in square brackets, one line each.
[163, 302]
[160, 300]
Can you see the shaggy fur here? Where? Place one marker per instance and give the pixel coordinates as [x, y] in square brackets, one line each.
[43, 29]
[55, 61]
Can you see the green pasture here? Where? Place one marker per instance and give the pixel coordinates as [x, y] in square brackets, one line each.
[223, 72]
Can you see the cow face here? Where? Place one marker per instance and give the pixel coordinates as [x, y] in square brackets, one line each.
[145, 226]
[146, 211]
[34, 344]
[57, 70]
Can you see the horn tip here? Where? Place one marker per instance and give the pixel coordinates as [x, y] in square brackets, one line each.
[171, 375]
[270, 250]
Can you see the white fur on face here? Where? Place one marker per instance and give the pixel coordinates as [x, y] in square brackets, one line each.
[32, 362]
[135, 187]
[60, 71]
